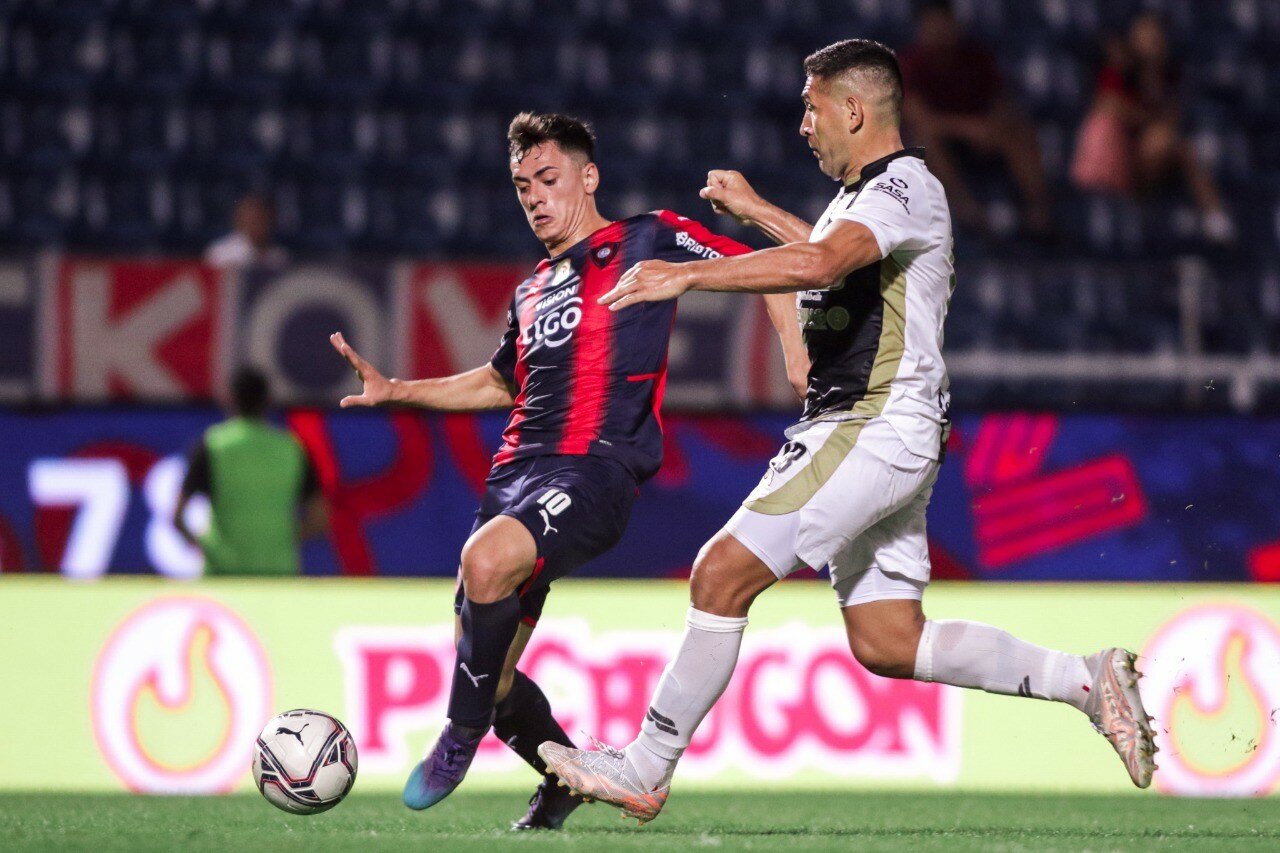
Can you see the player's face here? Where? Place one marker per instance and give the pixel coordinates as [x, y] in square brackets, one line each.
[554, 189]
[825, 128]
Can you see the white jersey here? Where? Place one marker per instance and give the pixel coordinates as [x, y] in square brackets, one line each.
[875, 338]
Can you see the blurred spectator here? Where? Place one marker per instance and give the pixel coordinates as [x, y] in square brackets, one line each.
[257, 478]
[1130, 143]
[250, 243]
[956, 103]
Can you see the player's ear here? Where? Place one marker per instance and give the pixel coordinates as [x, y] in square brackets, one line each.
[855, 110]
[590, 177]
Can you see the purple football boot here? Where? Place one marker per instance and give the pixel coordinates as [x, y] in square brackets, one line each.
[435, 776]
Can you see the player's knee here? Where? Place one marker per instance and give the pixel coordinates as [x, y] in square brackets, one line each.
[488, 572]
[884, 657]
[716, 586]
[704, 596]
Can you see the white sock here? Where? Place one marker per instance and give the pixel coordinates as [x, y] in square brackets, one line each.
[690, 685]
[970, 654]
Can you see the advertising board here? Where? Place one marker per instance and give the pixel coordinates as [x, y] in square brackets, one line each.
[1021, 496]
[152, 686]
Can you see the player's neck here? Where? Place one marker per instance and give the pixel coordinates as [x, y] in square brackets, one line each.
[872, 149]
[591, 222]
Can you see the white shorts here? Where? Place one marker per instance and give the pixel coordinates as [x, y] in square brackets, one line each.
[850, 496]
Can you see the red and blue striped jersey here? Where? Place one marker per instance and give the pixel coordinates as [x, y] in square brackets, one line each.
[589, 380]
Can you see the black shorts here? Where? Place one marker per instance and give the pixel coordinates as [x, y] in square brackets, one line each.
[576, 507]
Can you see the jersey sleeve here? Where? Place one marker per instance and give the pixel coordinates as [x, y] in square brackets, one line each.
[679, 239]
[504, 360]
[895, 206]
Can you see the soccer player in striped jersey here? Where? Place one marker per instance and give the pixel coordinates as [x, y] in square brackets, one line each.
[585, 387]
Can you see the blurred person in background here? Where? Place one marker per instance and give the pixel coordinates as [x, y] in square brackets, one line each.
[261, 485]
[956, 105]
[1130, 143]
[251, 242]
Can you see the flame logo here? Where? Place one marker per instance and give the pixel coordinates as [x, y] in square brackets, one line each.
[179, 691]
[182, 733]
[1220, 740]
[1211, 685]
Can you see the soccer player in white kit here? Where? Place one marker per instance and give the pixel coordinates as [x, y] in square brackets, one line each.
[850, 488]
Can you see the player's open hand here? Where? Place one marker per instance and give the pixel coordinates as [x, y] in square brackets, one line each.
[729, 193]
[377, 388]
[647, 281]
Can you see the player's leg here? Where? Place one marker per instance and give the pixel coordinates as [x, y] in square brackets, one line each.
[531, 609]
[879, 579]
[759, 546]
[727, 577]
[523, 720]
[574, 510]
[890, 636]
[519, 700]
[496, 560]
[893, 639]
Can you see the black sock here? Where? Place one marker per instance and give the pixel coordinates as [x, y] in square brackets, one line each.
[524, 721]
[487, 632]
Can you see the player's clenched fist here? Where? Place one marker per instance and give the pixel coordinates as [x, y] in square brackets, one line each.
[648, 281]
[378, 389]
[730, 193]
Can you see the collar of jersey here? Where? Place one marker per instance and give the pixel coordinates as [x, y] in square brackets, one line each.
[877, 167]
[581, 244]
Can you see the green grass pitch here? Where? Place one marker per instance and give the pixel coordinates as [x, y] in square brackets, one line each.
[761, 820]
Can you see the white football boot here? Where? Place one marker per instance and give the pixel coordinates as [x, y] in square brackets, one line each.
[1115, 708]
[602, 774]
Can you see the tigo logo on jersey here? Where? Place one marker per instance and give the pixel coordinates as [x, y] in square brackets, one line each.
[179, 693]
[1211, 685]
[555, 328]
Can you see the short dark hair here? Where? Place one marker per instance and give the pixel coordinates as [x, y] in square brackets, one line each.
[249, 394]
[863, 55]
[529, 130]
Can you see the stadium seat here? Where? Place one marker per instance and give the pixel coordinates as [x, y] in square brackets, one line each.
[379, 127]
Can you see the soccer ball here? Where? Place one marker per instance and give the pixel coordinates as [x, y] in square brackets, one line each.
[305, 762]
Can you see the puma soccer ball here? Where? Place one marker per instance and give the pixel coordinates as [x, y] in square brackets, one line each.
[305, 762]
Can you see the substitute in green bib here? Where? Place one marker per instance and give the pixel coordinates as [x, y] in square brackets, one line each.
[262, 489]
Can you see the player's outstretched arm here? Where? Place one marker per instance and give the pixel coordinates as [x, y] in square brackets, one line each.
[783, 269]
[473, 391]
[731, 194]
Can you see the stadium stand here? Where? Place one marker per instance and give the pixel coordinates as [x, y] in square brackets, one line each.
[133, 126]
